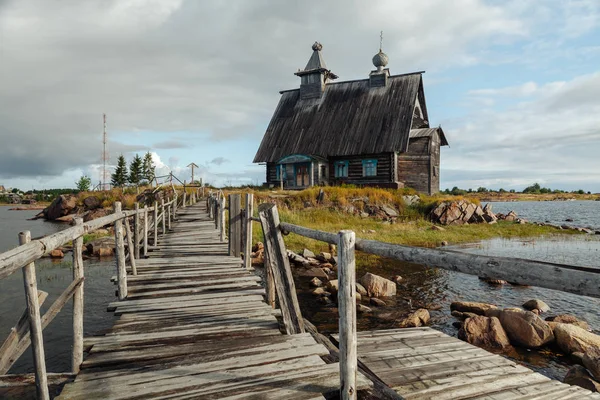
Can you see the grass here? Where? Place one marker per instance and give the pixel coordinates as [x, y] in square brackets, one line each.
[413, 229]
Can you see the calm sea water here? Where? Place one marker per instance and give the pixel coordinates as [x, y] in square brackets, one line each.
[585, 214]
[52, 277]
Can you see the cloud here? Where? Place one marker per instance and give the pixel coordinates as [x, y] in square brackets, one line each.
[219, 161]
[170, 144]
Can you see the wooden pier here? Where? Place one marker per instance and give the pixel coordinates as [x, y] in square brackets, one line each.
[195, 325]
[192, 320]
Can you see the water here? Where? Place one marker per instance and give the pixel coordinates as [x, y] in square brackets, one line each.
[583, 213]
[52, 277]
[436, 289]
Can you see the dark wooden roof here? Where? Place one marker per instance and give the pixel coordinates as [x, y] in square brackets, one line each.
[349, 118]
[428, 132]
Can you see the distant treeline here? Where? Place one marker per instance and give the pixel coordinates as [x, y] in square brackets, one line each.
[533, 189]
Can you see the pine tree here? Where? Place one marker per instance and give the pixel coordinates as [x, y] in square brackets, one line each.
[119, 177]
[84, 183]
[135, 170]
[148, 168]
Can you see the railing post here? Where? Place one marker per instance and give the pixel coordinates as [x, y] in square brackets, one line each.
[35, 324]
[77, 352]
[120, 256]
[145, 230]
[162, 211]
[130, 247]
[347, 311]
[210, 206]
[184, 198]
[217, 212]
[248, 230]
[235, 222]
[169, 216]
[155, 219]
[136, 232]
[276, 259]
[222, 225]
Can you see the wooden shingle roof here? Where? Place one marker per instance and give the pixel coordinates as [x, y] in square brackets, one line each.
[350, 118]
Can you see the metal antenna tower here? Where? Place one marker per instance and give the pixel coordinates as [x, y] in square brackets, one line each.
[105, 156]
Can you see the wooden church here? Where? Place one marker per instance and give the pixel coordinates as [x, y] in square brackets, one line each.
[366, 132]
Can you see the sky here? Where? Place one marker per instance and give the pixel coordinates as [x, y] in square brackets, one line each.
[514, 84]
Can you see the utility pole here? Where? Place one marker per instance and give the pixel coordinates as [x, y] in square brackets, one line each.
[192, 165]
[104, 154]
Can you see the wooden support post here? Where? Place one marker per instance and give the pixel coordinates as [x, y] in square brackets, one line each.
[145, 231]
[169, 216]
[120, 256]
[162, 211]
[184, 198]
[280, 267]
[347, 311]
[222, 206]
[248, 230]
[136, 232]
[155, 219]
[35, 324]
[271, 293]
[77, 352]
[210, 206]
[174, 208]
[235, 225]
[130, 247]
[217, 212]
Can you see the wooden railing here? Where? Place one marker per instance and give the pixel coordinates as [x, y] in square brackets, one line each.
[567, 278]
[29, 328]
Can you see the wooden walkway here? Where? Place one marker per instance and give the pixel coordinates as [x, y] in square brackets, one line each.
[422, 363]
[195, 325]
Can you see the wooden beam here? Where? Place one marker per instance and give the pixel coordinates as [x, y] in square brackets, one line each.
[120, 255]
[35, 324]
[7, 351]
[145, 222]
[130, 247]
[78, 273]
[136, 232]
[280, 267]
[235, 225]
[222, 226]
[248, 230]
[155, 220]
[347, 312]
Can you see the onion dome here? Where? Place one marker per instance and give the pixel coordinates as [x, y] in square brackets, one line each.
[380, 60]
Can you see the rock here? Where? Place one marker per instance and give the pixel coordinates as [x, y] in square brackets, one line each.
[258, 247]
[390, 212]
[325, 257]
[492, 281]
[327, 265]
[377, 286]
[411, 200]
[103, 247]
[569, 319]
[591, 360]
[484, 332]
[57, 253]
[361, 289]
[307, 254]
[511, 216]
[536, 304]
[91, 203]
[415, 319]
[462, 315]
[472, 307]
[313, 273]
[377, 302]
[524, 328]
[333, 286]
[297, 259]
[104, 252]
[573, 339]
[357, 296]
[364, 215]
[324, 300]
[60, 206]
[578, 375]
[396, 278]
[66, 218]
[319, 292]
[436, 228]
[457, 324]
[569, 220]
[578, 357]
[315, 282]
[372, 231]
[362, 309]
[332, 248]
[98, 213]
[313, 261]
[444, 243]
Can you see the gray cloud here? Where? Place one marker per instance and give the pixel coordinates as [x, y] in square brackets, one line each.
[187, 66]
[170, 144]
[219, 161]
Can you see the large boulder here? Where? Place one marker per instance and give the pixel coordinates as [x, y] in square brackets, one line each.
[97, 213]
[457, 213]
[415, 319]
[525, 328]
[569, 319]
[591, 360]
[91, 203]
[573, 339]
[578, 375]
[536, 304]
[484, 332]
[377, 286]
[471, 307]
[101, 247]
[60, 206]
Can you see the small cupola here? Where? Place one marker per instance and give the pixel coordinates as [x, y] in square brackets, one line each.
[315, 75]
[379, 77]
